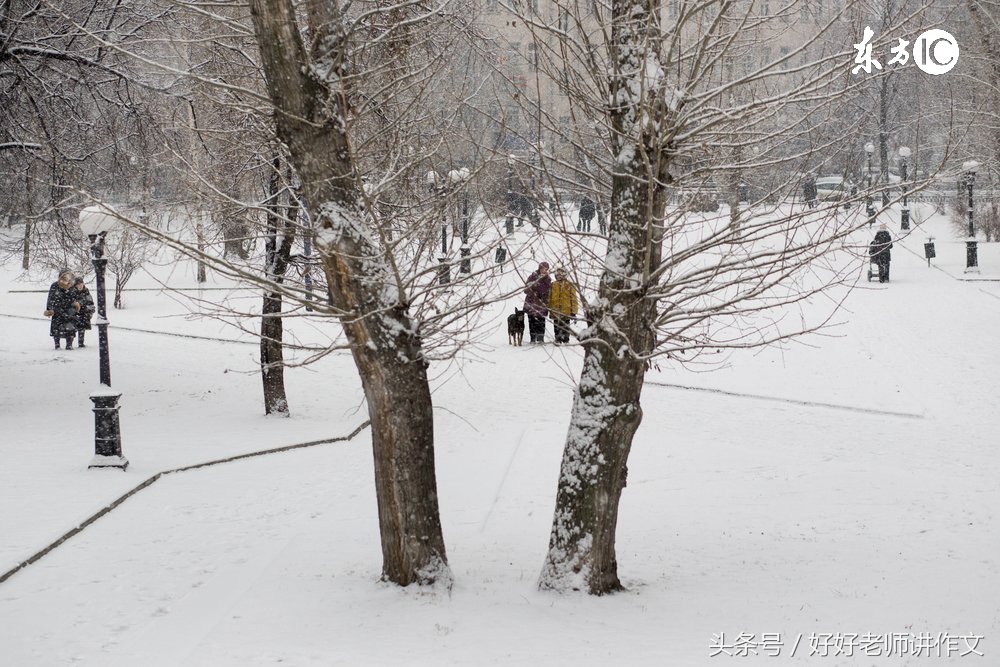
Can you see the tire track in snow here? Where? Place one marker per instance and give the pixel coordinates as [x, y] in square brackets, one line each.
[791, 401]
[128, 494]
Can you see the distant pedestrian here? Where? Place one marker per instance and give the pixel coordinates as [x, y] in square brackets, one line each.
[587, 210]
[82, 294]
[536, 302]
[809, 191]
[562, 306]
[501, 255]
[879, 251]
[62, 306]
[602, 219]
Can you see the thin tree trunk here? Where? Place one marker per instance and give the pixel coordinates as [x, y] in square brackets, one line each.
[374, 311]
[26, 250]
[883, 136]
[272, 358]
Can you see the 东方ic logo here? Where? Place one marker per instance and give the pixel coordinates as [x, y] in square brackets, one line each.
[934, 52]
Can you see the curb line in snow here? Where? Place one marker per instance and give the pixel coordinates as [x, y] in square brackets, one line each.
[108, 508]
[150, 331]
[793, 401]
[311, 348]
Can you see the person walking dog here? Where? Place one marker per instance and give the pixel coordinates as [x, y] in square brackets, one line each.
[536, 302]
[562, 305]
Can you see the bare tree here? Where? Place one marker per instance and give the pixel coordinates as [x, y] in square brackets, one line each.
[671, 106]
[311, 88]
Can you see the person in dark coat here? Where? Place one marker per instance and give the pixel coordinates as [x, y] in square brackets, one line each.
[809, 191]
[879, 252]
[587, 210]
[82, 294]
[602, 220]
[62, 307]
[536, 302]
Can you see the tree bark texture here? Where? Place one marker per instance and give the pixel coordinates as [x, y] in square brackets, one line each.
[276, 259]
[606, 410]
[311, 116]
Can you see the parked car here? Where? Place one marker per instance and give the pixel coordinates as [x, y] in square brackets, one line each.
[833, 188]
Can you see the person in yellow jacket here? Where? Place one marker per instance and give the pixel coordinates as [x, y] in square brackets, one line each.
[562, 305]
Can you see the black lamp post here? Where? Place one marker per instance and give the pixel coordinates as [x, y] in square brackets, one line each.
[971, 251]
[510, 196]
[904, 156]
[459, 178]
[869, 202]
[96, 222]
[444, 272]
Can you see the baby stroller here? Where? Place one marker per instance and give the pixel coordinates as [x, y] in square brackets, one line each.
[872, 269]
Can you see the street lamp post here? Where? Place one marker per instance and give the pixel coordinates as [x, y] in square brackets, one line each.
[96, 222]
[869, 202]
[436, 188]
[510, 196]
[904, 156]
[971, 251]
[459, 179]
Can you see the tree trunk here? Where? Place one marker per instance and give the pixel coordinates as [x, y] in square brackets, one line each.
[26, 250]
[199, 230]
[272, 358]
[606, 411]
[311, 108]
[883, 136]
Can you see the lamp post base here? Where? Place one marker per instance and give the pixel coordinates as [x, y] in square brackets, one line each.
[971, 257]
[466, 264]
[444, 272]
[904, 222]
[107, 431]
[108, 462]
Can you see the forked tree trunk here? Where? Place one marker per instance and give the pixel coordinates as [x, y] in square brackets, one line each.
[310, 114]
[606, 410]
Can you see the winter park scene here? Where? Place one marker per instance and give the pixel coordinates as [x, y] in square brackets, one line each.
[494, 332]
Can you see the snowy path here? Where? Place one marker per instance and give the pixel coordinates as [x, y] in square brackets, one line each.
[741, 515]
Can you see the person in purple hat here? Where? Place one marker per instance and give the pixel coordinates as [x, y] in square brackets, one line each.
[536, 299]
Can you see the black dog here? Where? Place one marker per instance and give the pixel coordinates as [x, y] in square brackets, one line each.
[515, 327]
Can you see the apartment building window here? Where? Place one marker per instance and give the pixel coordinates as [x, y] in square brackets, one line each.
[675, 8]
[491, 6]
[534, 6]
[564, 19]
[765, 7]
[532, 56]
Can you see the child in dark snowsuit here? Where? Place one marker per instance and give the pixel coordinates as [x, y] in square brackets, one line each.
[82, 294]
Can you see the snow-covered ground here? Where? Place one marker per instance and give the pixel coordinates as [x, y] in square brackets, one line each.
[846, 484]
